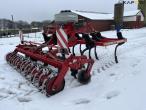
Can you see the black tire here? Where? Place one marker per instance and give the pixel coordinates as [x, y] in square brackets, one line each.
[49, 91]
[82, 78]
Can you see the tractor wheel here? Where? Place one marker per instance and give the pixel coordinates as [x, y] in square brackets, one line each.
[50, 91]
[82, 78]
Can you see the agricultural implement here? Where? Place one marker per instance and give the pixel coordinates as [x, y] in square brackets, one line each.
[46, 68]
[86, 36]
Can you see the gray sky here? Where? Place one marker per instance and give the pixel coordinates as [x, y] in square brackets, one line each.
[45, 9]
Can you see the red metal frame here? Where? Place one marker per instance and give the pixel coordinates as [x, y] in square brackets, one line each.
[70, 30]
[73, 62]
[34, 52]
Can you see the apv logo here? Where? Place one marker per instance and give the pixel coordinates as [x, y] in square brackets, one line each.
[130, 1]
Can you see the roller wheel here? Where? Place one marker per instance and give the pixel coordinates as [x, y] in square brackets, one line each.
[8, 56]
[19, 63]
[82, 78]
[42, 79]
[23, 65]
[33, 72]
[11, 56]
[12, 59]
[27, 67]
[30, 68]
[49, 89]
[16, 60]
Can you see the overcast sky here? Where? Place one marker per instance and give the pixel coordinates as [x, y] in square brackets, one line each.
[29, 10]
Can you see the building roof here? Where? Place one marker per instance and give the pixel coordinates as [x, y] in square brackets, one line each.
[103, 16]
[94, 15]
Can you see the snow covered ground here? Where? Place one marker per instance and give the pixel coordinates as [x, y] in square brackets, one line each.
[113, 86]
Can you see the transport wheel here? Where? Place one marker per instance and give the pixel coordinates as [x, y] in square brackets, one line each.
[49, 89]
[83, 78]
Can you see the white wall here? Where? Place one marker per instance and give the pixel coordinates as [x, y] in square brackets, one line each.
[133, 18]
[142, 17]
[130, 18]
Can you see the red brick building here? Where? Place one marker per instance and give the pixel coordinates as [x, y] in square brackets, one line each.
[100, 21]
[133, 19]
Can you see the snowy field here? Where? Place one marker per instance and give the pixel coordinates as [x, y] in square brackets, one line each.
[113, 86]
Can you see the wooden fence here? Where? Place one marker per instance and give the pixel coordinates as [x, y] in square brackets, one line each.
[13, 32]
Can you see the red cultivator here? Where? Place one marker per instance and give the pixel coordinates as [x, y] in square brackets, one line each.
[46, 69]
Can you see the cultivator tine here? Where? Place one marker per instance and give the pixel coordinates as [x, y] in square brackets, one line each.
[73, 50]
[90, 53]
[80, 49]
[82, 52]
[115, 53]
[69, 50]
[96, 56]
